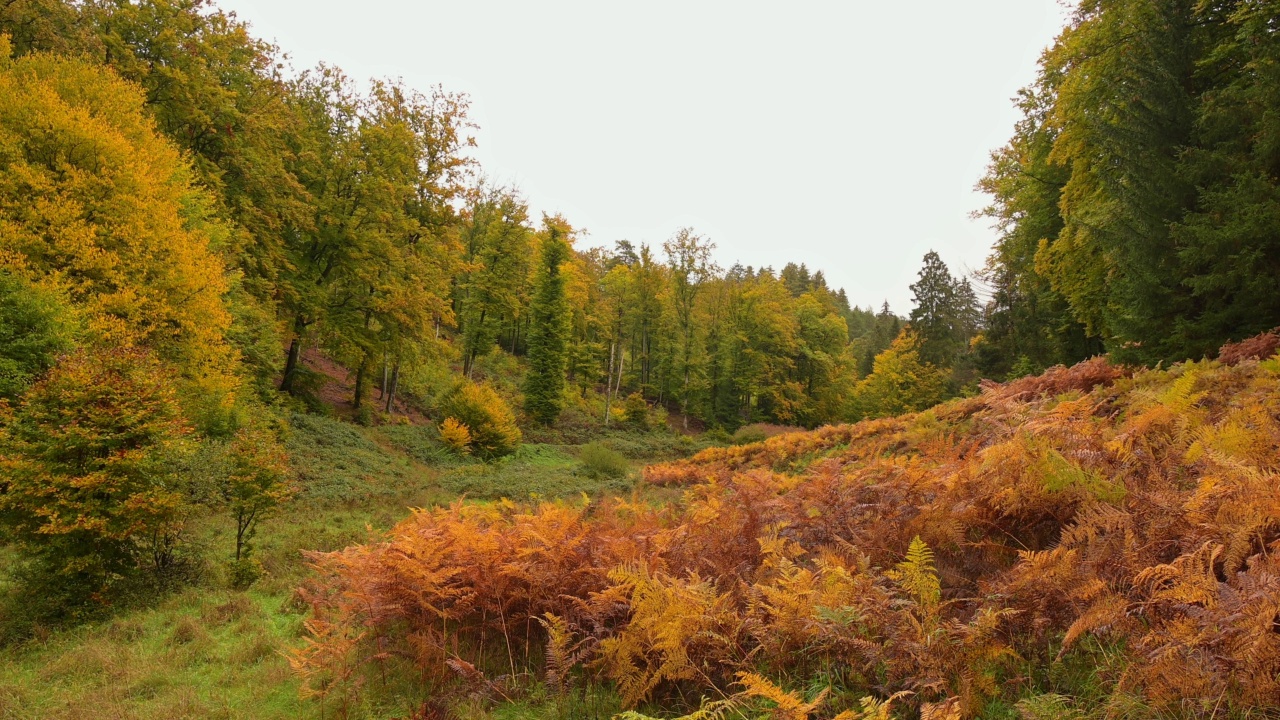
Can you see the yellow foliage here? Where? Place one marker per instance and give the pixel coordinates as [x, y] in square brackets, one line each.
[487, 418]
[456, 436]
[95, 203]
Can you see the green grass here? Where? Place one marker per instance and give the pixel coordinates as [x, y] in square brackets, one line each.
[533, 472]
[203, 653]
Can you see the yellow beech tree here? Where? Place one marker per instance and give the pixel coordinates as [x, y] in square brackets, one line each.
[900, 382]
[94, 203]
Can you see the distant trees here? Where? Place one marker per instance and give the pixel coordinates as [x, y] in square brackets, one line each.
[689, 262]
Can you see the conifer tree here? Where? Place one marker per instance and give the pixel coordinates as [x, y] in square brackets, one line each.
[549, 327]
[934, 317]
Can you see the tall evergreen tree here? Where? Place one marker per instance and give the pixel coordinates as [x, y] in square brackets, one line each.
[549, 327]
[934, 317]
[885, 326]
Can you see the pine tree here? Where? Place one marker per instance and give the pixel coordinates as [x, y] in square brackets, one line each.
[549, 317]
[934, 318]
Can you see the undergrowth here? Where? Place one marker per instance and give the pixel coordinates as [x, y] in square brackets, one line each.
[1093, 542]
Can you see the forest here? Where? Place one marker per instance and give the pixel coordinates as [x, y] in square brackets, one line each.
[302, 414]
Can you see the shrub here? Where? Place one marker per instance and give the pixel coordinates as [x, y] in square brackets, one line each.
[599, 461]
[488, 418]
[637, 411]
[244, 571]
[456, 435]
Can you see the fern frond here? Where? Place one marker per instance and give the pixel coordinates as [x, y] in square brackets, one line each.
[917, 575]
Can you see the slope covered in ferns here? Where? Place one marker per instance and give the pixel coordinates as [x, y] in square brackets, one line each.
[989, 553]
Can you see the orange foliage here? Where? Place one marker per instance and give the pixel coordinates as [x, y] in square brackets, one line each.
[916, 556]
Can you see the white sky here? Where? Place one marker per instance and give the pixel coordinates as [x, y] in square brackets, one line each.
[846, 135]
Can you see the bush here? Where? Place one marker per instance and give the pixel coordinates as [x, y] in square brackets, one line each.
[637, 411]
[488, 418]
[717, 436]
[456, 435]
[599, 461]
[243, 572]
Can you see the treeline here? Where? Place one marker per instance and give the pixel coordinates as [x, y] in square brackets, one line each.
[181, 219]
[356, 222]
[1139, 196]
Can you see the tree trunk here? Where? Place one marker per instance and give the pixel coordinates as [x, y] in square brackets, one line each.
[291, 366]
[287, 383]
[395, 383]
[361, 373]
[608, 382]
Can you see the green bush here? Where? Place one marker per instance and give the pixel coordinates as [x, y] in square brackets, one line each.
[489, 419]
[598, 461]
[716, 436]
[637, 412]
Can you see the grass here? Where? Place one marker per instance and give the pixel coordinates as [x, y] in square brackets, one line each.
[534, 471]
[210, 652]
[199, 654]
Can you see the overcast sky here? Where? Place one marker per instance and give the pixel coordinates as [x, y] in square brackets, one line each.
[845, 135]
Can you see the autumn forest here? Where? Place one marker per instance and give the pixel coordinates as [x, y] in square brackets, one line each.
[303, 414]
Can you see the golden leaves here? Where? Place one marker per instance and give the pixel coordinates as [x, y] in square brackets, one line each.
[1015, 523]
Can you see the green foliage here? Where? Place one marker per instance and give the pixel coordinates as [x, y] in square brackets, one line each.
[636, 411]
[88, 461]
[490, 424]
[258, 483]
[337, 463]
[599, 461]
[421, 442]
[946, 313]
[1136, 198]
[498, 247]
[34, 329]
[549, 328]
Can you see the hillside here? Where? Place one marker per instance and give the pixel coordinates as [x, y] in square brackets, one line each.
[1095, 541]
